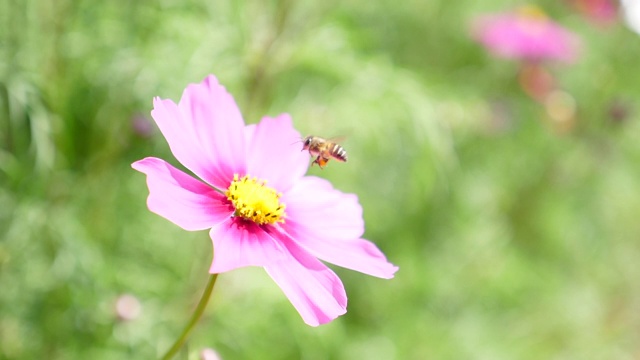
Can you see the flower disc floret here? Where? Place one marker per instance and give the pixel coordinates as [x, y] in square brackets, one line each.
[255, 201]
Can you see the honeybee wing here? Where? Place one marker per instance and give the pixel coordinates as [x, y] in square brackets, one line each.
[337, 139]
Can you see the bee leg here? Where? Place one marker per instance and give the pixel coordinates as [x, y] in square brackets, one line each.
[321, 161]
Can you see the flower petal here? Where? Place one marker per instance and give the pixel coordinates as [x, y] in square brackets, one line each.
[328, 224]
[238, 243]
[204, 132]
[218, 124]
[313, 289]
[316, 204]
[180, 198]
[273, 152]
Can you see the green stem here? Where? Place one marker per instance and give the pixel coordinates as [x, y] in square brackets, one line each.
[204, 300]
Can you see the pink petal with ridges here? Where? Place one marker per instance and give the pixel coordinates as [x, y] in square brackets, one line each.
[238, 243]
[316, 204]
[180, 198]
[328, 224]
[178, 134]
[216, 124]
[355, 254]
[273, 152]
[204, 132]
[311, 287]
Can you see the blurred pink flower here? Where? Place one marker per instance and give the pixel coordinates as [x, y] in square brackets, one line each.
[142, 126]
[261, 209]
[599, 11]
[526, 35]
[536, 81]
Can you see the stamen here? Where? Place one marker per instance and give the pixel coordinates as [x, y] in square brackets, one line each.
[255, 201]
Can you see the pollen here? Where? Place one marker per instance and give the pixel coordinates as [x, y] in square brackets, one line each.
[255, 201]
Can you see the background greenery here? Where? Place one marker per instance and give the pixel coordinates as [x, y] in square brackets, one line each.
[516, 239]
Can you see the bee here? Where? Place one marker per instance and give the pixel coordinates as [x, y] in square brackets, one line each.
[323, 150]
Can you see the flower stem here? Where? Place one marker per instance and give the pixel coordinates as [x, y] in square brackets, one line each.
[204, 300]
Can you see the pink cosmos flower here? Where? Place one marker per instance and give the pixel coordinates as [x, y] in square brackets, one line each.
[526, 35]
[253, 196]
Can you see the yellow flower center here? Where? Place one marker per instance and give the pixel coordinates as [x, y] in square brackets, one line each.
[255, 201]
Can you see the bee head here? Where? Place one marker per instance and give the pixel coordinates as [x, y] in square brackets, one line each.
[306, 142]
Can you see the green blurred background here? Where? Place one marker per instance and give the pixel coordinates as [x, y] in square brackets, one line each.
[517, 237]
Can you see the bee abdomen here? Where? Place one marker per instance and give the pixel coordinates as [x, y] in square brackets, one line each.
[338, 152]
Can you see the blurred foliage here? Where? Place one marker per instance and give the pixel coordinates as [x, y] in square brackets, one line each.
[516, 236]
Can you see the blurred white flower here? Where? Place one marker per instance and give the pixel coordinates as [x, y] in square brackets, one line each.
[128, 307]
[209, 354]
[631, 9]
